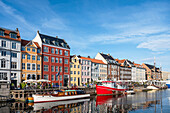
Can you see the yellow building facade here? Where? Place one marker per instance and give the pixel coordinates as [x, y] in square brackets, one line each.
[30, 60]
[75, 71]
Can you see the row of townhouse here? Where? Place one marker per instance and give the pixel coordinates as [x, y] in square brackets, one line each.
[44, 57]
[47, 57]
[104, 67]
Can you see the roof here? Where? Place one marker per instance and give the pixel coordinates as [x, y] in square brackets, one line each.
[152, 67]
[120, 61]
[54, 41]
[92, 60]
[25, 42]
[108, 57]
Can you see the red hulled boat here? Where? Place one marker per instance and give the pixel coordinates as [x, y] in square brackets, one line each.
[109, 87]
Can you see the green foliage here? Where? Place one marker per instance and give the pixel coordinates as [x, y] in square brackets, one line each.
[23, 85]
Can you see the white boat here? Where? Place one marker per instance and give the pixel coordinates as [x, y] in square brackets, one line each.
[59, 96]
[48, 105]
[152, 87]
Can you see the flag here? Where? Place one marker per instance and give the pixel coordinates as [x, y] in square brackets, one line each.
[58, 74]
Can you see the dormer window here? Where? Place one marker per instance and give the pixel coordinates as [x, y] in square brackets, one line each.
[13, 35]
[23, 48]
[56, 43]
[62, 44]
[47, 41]
[1, 33]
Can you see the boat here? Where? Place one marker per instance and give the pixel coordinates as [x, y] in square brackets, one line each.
[152, 87]
[168, 83]
[110, 87]
[60, 96]
[49, 105]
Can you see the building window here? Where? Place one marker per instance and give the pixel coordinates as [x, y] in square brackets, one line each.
[3, 53]
[1, 33]
[23, 65]
[33, 50]
[52, 59]
[46, 77]
[45, 49]
[14, 55]
[13, 75]
[52, 68]
[74, 72]
[13, 45]
[56, 68]
[52, 77]
[33, 66]
[38, 58]
[45, 67]
[45, 58]
[38, 50]
[65, 61]
[74, 78]
[23, 56]
[66, 69]
[60, 60]
[78, 72]
[28, 66]
[66, 53]
[71, 79]
[74, 60]
[71, 66]
[13, 35]
[3, 76]
[38, 66]
[3, 63]
[23, 75]
[22, 48]
[28, 49]
[78, 66]
[29, 57]
[13, 65]
[52, 50]
[56, 60]
[71, 72]
[74, 66]
[60, 68]
[3, 43]
[60, 77]
[56, 51]
[33, 57]
[60, 52]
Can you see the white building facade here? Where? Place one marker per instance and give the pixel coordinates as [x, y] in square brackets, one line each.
[10, 56]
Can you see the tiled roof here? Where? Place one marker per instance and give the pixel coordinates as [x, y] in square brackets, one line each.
[108, 57]
[92, 60]
[54, 41]
[25, 42]
[120, 61]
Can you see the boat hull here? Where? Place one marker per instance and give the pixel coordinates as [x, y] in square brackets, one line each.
[168, 85]
[103, 90]
[50, 98]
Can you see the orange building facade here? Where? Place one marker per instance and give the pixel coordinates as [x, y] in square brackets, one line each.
[31, 58]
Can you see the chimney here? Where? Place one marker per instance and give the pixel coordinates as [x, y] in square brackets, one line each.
[88, 57]
[56, 36]
[16, 29]
[38, 31]
[133, 62]
[102, 52]
[108, 54]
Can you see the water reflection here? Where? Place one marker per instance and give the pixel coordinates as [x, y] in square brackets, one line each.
[151, 102]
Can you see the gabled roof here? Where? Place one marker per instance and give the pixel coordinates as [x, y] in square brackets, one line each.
[107, 57]
[92, 60]
[120, 61]
[54, 41]
[151, 67]
[25, 42]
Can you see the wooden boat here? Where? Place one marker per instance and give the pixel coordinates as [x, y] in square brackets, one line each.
[60, 96]
[109, 87]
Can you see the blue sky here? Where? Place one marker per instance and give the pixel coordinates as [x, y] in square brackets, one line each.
[136, 30]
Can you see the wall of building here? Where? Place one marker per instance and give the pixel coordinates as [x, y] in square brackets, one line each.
[86, 71]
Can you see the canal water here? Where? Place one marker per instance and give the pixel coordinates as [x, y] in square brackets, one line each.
[141, 102]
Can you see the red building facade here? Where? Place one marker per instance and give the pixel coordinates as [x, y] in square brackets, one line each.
[55, 59]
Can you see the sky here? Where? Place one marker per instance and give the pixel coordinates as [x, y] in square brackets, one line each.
[138, 30]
